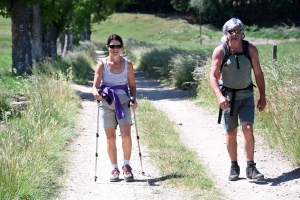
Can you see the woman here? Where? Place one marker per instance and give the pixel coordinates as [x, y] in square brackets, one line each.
[113, 76]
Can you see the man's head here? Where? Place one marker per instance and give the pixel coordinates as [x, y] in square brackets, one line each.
[232, 26]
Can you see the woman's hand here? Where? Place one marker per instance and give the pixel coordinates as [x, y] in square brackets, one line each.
[134, 105]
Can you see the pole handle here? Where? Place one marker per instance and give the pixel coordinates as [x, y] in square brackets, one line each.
[104, 95]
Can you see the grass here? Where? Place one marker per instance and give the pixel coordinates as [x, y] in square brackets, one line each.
[33, 145]
[162, 31]
[33, 137]
[180, 166]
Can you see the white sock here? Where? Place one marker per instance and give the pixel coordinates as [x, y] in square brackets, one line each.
[115, 166]
[126, 162]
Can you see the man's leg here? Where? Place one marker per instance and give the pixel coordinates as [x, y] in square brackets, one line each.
[231, 144]
[251, 171]
[247, 128]
[232, 151]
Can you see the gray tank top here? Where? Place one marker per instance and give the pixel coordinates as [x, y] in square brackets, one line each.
[235, 78]
[112, 79]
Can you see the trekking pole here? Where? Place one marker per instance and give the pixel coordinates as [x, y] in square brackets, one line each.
[97, 133]
[137, 135]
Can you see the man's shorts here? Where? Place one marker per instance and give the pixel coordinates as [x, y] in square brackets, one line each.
[243, 109]
[108, 116]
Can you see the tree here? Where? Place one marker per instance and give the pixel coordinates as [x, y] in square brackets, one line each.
[21, 47]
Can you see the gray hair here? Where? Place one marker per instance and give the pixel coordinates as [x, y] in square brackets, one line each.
[233, 22]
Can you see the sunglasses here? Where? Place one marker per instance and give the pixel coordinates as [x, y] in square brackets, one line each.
[234, 31]
[115, 46]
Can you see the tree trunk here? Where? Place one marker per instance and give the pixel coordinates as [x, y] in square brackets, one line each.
[36, 34]
[50, 40]
[64, 39]
[21, 48]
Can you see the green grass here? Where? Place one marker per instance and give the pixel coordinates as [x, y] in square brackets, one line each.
[32, 145]
[162, 31]
[178, 165]
[33, 155]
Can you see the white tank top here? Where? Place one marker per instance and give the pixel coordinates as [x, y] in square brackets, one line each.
[112, 79]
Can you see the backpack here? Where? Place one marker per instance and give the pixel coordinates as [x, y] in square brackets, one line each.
[227, 53]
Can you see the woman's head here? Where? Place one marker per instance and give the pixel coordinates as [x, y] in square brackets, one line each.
[114, 37]
[230, 24]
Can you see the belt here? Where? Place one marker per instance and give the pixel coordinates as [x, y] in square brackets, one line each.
[227, 89]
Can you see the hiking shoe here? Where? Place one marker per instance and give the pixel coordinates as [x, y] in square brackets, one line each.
[114, 177]
[253, 173]
[234, 173]
[128, 176]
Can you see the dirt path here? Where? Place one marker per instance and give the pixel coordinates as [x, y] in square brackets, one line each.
[199, 132]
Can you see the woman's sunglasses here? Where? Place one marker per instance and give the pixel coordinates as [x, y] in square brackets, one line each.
[115, 46]
[234, 31]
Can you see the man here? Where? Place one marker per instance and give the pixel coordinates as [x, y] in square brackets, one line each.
[234, 92]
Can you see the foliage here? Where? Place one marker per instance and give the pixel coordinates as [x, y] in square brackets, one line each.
[32, 145]
[77, 65]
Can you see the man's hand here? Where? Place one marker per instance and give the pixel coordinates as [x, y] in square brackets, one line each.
[223, 103]
[261, 104]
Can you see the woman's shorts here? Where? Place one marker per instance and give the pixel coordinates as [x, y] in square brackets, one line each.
[243, 109]
[108, 115]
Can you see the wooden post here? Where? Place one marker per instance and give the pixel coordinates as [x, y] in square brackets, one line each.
[200, 27]
[274, 52]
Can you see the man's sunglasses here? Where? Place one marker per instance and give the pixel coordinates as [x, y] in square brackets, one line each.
[115, 46]
[234, 31]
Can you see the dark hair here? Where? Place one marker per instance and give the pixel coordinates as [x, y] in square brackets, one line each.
[114, 37]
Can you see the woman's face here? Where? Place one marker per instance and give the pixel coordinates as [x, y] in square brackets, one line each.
[114, 47]
[234, 34]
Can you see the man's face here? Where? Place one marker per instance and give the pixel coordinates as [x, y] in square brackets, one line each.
[235, 34]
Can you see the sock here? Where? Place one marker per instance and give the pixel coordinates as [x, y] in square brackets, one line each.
[234, 163]
[250, 162]
[115, 166]
[126, 162]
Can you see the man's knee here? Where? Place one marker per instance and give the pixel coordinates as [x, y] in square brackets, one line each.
[247, 127]
[232, 133]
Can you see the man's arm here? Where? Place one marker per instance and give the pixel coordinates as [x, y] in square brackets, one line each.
[216, 62]
[259, 77]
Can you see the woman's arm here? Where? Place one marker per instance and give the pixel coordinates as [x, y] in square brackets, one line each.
[97, 80]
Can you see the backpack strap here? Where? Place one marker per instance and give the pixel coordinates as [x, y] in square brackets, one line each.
[226, 54]
[246, 50]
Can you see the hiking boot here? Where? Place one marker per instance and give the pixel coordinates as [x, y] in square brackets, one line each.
[128, 176]
[114, 175]
[234, 173]
[253, 173]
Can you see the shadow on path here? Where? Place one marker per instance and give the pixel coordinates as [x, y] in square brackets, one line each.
[292, 175]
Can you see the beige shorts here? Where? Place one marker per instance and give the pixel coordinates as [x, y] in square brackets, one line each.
[108, 116]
